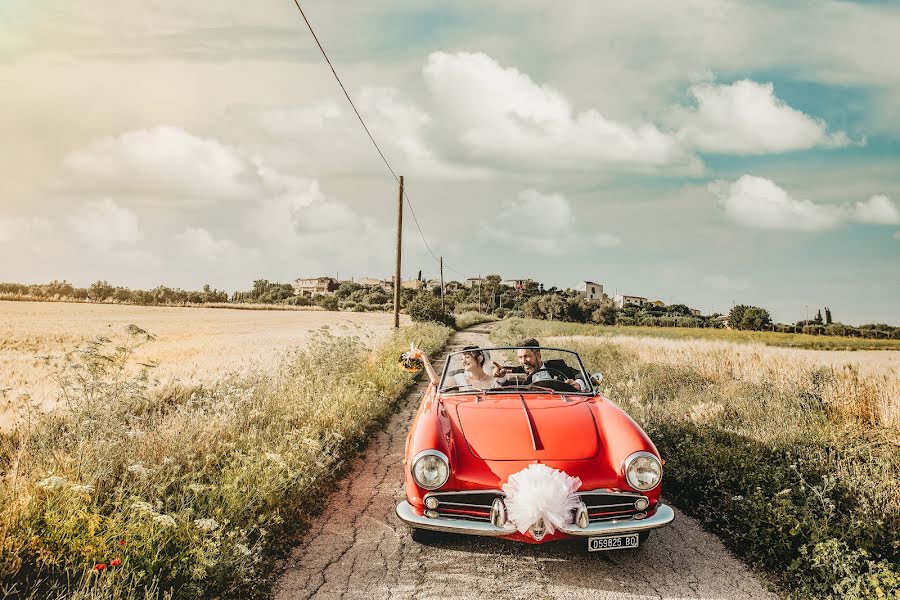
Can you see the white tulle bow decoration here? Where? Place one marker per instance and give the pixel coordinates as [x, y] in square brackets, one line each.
[538, 491]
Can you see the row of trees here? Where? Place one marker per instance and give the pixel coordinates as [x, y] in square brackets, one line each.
[102, 291]
[491, 296]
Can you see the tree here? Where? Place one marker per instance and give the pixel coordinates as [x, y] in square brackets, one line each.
[751, 318]
[818, 319]
[827, 316]
[426, 307]
[100, 291]
[605, 315]
[328, 302]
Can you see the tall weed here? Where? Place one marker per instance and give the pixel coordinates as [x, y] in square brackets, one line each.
[185, 494]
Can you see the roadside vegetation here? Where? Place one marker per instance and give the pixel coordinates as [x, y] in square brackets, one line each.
[537, 328]
[795, 467]
[190, 493]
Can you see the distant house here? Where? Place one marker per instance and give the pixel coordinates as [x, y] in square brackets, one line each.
[473, 281]
[592, 291]
[722, 320]
[433, 284]
[657, 303]
[695, 312]
[371, 281]
[623, 300]
[413, 284]
[315, 285]
[516, 284]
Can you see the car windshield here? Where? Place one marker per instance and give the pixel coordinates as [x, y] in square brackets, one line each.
[524, 370]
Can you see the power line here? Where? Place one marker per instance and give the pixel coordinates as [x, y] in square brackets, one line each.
[369, 133]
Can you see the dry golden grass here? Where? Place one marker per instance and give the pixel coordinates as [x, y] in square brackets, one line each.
[193, 345]
[863, 386]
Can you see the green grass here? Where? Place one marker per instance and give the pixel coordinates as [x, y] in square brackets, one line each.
[538, 328]
[195, 492]
[794, 479]
[470, 318]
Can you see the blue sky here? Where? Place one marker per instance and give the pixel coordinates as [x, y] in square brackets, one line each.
[700, 152]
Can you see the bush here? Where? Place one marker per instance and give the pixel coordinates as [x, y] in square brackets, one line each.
[468, 319]
[425, 307]
[196, 492]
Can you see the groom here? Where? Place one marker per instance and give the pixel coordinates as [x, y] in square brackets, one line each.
[529, 355]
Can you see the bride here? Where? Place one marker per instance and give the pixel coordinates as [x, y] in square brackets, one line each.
[473, 374]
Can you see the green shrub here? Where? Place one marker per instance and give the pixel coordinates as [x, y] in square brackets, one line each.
[194, 492]
[468, 319]
[426, 307]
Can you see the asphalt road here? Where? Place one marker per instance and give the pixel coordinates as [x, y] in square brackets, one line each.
[358, 548]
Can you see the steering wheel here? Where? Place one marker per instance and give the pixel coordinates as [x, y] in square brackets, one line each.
[554, 384]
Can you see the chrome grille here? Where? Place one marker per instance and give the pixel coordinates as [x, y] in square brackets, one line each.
[608, 505]
[474, 505]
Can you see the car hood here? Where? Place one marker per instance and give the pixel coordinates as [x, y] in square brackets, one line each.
[523, 429]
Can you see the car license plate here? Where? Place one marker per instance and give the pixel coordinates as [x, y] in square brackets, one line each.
[613, 542]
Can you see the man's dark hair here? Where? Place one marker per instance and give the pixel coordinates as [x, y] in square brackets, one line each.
[528, 343]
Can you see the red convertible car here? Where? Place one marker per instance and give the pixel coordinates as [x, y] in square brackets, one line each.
[540, 456]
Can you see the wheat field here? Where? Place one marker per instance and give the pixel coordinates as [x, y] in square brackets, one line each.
[870, 377]
[192, 345]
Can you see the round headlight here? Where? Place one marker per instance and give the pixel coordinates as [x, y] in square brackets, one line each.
[430, 469]
[643, 471]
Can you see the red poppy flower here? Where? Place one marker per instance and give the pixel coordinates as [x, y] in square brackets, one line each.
[121, 542]
[99, 567]
[115, 562]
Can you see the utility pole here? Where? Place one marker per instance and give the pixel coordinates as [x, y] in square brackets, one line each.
[442, 285]
[399, 247]
[479, 293]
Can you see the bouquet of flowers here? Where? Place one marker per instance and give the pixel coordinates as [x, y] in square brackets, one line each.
[412, 360]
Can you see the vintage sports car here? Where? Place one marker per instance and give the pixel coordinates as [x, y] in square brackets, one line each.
[544, 457]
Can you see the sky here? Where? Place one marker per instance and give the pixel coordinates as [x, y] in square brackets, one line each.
[706, 153]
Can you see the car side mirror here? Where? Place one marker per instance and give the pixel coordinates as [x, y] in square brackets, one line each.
[596, 378]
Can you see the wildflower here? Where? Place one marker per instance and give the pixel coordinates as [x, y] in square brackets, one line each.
[81, 488]
[139, 469]
[274, 457]
[243, 549]
[737, 498]
[115, 562]
[99, 567]
[197, 487]
[135, 433]
[165, 520]
[168, 460]
[121, 542]
[142, 507]
[54, 482]
[206, 524]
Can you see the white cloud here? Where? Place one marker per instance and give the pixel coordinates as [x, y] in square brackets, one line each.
[723, 282]
[327, 136]
[605, 240]
[543, 222]
[746, 117]
[502, 115]
[878, 209]
[21, 230]
[199, 243]
[758, 202]
[166, 164]
[103, 225]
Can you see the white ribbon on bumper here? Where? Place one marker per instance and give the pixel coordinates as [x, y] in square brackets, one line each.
[538, 491]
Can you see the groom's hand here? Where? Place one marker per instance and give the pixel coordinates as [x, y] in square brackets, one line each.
[499, 371]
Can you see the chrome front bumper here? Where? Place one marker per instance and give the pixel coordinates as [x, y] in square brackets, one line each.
[662, 517]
